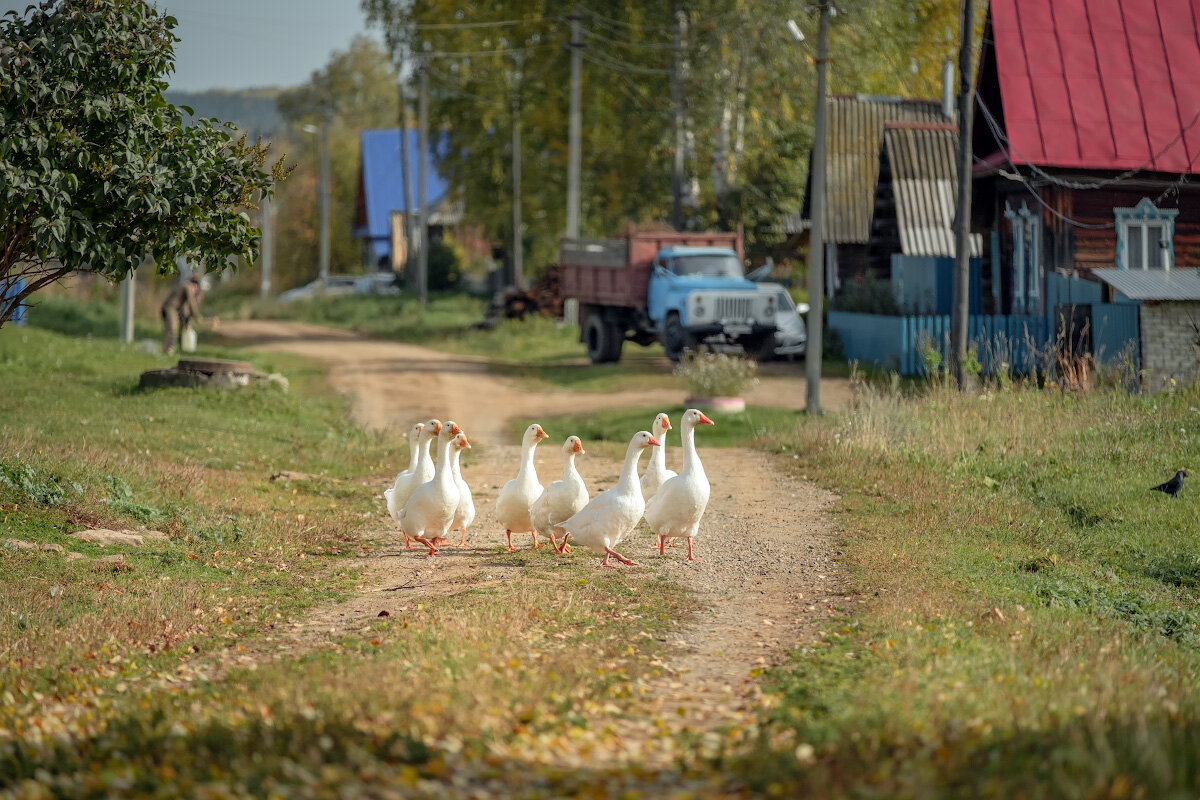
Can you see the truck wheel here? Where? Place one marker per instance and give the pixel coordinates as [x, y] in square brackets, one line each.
[596, 335]
[761, 349]
[676, 338]
[616, 340]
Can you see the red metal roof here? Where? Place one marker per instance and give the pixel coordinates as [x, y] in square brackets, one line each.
[1100, 84]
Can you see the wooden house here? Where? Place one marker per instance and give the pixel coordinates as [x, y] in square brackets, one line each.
[1086, 136]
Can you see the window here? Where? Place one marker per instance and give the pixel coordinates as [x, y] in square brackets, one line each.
[1145, 236]
[1027, 259]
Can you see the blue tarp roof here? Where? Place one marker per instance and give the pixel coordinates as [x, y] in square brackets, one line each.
[383, 183]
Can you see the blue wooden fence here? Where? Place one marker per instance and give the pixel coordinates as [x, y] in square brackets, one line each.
[898, 343]
[925, 284]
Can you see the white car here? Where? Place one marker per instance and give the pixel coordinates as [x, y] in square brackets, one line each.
[383, 282]
[333, 286]
[791, 334]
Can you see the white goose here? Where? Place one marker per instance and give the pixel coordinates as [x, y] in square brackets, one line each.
[464, 515]
[516, 496]
[430, 511]
[680, 502]
[414, 433]
[421, 472]
[612, 514]
[563, 498]
[656, 467]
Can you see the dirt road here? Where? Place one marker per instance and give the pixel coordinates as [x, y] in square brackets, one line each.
[769, 573]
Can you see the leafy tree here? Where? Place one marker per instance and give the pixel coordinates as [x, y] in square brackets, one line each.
[355, 90]
[96, 168]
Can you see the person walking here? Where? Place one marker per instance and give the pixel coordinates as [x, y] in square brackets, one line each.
[180, 309]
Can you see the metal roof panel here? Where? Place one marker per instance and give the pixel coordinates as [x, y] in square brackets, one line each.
[1153, 284]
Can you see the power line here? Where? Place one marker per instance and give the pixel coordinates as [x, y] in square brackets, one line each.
[503, 23]
[622, 24]
[628, 43]
[1004, 141]
[621, 66]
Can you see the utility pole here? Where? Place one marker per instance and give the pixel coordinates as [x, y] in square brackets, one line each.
[574, 125]
[517, 255]
[325, 198]
[127, 292]
[422, 180]
[268, 243]
[677, 120]
[816, 237]
[411, 279]
[962, 217]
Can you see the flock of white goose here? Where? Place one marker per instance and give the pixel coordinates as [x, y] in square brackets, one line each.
[429, 502]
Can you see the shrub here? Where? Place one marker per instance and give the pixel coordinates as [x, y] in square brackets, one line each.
[708, 374]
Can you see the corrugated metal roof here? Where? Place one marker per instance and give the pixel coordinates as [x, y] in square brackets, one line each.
[383, 184]
[1153, 284]
[853, 135]
[925, 183]
[1100, 84]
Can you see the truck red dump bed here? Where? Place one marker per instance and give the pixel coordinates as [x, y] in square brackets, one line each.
[616, 272]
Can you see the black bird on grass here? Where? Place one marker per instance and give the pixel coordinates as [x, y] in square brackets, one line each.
[1172, 486]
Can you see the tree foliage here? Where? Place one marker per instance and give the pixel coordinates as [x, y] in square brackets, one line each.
[355, 90]
[748, 94]
[96, 168]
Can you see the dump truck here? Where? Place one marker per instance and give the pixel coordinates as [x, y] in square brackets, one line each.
[682, 289]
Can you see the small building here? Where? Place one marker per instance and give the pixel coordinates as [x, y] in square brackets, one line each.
[911, 243]
[853, 136]
[1168, 316]
[379, 217]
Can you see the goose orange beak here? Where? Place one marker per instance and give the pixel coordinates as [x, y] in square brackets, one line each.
[579, 448]
[464, 443]
[666, 424]
[541, 434]
[704, 420]
[655, 442]
[437, 427]
[454, 429]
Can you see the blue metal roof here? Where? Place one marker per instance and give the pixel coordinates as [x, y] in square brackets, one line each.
[383, 183]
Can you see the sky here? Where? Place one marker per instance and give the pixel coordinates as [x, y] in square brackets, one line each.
[238, 44]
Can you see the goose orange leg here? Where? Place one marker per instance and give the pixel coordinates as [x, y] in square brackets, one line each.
[662, 544]
[511, 549]
[535, 541]
[690, 556]
[463, 543]
[433, 551]
[560, 547]
[608, 551]
[408, 542]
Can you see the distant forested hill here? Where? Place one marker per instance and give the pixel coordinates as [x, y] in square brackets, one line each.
[251, 110]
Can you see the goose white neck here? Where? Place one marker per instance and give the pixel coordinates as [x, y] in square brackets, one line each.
[527, 467]
[691, 461]
[443, 464]
[455, 468]
[629, 476]
[660, 453]
[423, 447]
[414, 451]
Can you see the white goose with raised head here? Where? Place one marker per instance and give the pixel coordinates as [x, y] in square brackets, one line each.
[518, 495]
[562, 498]
[421, 472]
[656, 466]
[679, 504]
[430, 511]
[612, 514]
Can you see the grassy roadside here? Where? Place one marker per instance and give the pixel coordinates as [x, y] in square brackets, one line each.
[1031, 623]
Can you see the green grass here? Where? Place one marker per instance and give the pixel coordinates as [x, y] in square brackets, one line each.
[1025, 621]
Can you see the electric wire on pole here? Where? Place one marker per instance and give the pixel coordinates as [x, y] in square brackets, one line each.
[816, 239]
[517, 246]
[574, 133]
[422, 179]
[962, 217]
